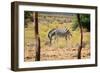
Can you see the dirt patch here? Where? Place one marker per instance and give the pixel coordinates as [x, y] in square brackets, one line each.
[49, 53]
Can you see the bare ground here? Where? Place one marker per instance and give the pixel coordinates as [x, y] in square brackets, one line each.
[49, 53]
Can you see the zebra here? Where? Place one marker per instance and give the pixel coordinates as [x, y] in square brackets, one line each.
[59, 32]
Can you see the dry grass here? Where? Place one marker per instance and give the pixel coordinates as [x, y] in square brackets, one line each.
[59, 50]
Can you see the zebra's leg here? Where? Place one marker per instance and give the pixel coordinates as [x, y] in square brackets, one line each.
[66, 40]
[50, 41]
[55, 38]
[69, 37]
[56, 41]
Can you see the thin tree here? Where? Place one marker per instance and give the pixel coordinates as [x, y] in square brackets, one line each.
[81, 38]
[37, 57]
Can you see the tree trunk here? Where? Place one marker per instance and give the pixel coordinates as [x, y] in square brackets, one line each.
[37, 58]
[81, 39]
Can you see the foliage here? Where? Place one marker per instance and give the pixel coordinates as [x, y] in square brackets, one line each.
[28, 16]
[85, 21]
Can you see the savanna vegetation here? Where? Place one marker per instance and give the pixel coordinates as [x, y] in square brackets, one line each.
[60, 49]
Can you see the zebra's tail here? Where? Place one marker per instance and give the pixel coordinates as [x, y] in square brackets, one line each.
[49, 33]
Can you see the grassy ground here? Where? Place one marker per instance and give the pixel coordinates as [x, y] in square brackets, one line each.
[60, 48]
